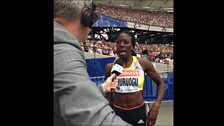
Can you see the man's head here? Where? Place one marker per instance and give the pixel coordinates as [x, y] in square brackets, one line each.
[77, 16]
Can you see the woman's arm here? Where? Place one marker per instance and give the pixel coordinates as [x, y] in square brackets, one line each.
[151, 72]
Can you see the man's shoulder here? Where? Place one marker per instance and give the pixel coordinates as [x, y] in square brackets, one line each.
[61, 35]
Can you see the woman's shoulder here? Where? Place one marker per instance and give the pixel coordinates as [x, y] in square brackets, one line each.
[145, 63]
[141, 60]
[107, 69]
[109, 66]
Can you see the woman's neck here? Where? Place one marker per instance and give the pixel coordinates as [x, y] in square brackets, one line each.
[127, 62]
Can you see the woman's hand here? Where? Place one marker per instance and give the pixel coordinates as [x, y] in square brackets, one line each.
[152, 114]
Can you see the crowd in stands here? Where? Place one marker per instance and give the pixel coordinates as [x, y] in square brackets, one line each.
[159, 53]
[152, 18]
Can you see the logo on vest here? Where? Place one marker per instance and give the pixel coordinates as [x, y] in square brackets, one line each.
[140, 121]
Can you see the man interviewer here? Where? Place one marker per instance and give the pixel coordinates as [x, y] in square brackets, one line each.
[77, 100]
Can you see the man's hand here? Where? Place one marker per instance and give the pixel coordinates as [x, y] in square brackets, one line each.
[108, 85]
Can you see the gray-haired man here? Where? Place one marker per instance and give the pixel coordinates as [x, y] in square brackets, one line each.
[77, 100]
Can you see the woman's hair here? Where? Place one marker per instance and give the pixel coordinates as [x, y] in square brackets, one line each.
[132, 37]
[70, 9]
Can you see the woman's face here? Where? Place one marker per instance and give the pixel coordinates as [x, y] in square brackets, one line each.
[124, 45]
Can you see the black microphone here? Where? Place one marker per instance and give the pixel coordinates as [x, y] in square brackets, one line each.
[117, 68]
